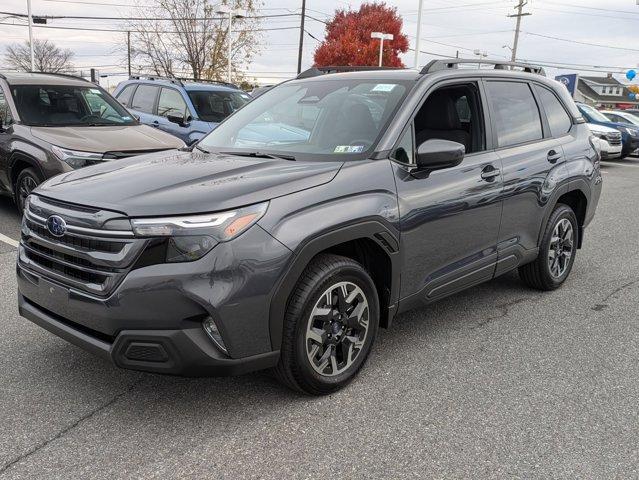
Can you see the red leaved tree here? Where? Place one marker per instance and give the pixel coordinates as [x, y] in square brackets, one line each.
[348, 37]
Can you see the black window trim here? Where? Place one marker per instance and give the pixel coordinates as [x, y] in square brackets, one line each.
[544, 126]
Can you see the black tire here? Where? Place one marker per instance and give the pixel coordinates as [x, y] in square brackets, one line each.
[26, 181]
[538, 274]
[295, 368]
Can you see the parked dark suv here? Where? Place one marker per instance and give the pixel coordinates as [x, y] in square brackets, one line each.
[311, 217]
[52, 123]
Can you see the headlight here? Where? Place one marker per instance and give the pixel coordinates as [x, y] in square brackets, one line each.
[74, 158]
[193, 236]
[633, 132]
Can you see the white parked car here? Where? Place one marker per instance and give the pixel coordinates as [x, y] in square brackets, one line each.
[607, 139]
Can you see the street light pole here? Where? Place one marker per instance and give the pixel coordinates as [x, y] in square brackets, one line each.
[230, 45]
[418, 40]
[382, 36]
[31, 35]
[225, 10]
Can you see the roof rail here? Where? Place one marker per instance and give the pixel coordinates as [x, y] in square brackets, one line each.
[175, 81]
[180, 80]
[452, 63]
[317, 71]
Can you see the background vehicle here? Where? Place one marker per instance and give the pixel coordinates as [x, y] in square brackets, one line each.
[629, 133]
[185, 109]
[288, 253]
[608, 140]
[52, 124]
[258, 91]
[620, 116]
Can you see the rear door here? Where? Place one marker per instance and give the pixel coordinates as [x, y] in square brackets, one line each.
[532, 160]
[144, 102]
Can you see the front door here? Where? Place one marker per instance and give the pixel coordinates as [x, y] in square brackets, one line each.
[450, 219]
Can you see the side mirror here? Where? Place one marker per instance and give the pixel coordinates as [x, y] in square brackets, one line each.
[437, 154]
[179, 119]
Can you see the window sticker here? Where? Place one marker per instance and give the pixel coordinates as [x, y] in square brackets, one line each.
[349, 149]
[95, 90]
[384, 87]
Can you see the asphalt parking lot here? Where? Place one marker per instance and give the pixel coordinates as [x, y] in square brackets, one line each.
[499, 381]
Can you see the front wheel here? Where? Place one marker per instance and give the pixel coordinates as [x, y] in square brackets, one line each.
[26, 182]
[557, 251]
[330, 326]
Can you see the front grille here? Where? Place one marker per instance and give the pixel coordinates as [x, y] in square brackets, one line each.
[94, 260]
[613, 138]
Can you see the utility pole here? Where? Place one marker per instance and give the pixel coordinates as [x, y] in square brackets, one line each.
[518, 15]
[299, 55]
[31, 35]
[418, 40]
[128, 48]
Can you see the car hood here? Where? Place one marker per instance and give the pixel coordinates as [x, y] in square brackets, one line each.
[116, 138]
[601, 128]
[174, 183]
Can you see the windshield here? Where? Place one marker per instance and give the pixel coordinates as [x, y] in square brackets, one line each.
[64, 105]
[337, 118]
[595, 115]
[630, 118]
[212, 106]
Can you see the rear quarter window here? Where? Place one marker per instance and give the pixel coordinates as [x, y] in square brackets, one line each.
[558, 119]
[125, 95]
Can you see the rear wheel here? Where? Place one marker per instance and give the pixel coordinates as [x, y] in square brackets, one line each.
[557, 253]
[330, 326]
[26, 182]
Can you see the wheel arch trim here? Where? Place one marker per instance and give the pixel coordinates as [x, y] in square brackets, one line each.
[371, 229]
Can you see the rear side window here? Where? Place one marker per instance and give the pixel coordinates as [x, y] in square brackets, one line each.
[515, 112]
[144, 98]
[125, 95]
[558, 119]
[171, 103]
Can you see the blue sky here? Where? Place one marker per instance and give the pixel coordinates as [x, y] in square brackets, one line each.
[448, 26]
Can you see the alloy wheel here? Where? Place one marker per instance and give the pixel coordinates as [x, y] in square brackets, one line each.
[27, 185]
[561, 248]
[337, 329]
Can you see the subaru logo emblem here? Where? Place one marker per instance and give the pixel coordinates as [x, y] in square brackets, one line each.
[56, 225]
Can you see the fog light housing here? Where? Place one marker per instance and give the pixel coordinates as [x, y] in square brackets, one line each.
[214, 334]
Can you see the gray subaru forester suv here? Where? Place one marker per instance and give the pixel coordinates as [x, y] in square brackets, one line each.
[310, 218]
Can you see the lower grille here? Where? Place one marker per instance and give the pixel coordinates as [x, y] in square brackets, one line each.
[87, 259]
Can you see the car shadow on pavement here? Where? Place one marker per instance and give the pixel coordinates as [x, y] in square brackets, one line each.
[411, 331]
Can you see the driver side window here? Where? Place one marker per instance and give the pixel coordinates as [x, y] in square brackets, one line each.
[452, 113]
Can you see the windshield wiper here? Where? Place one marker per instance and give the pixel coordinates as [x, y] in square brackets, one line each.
[260, 155]
[199, 148]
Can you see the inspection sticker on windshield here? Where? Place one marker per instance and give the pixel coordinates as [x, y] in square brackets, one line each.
[383, 87]
[349, 149]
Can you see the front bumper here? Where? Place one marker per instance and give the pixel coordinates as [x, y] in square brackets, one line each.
[186, 352]
[153, 319]
[608, 151]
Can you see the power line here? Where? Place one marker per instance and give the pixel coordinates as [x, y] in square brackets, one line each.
[82, 17]
[568, 40]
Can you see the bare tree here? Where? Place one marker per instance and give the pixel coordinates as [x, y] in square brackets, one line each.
[187, 38]
[48, 57]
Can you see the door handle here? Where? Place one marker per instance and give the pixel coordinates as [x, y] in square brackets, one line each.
[489, 173]
[553, 156]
